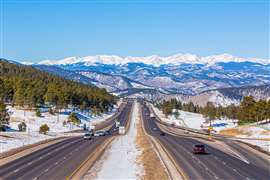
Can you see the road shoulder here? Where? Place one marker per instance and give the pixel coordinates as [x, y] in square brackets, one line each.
[154, 167]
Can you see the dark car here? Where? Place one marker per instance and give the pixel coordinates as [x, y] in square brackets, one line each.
[199, 149]
[162, 134]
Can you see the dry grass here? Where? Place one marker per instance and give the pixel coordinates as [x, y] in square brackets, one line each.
[241, 131]
[265, 132]
[233, 132]
[153, 169]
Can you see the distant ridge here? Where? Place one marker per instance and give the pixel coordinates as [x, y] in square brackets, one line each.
[152, 60]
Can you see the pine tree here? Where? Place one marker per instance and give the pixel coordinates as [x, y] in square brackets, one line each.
[73, 118]
[4, 116]
[2, 90]
[210, 111]
[38, 113]
[44, 128]
[247, 111]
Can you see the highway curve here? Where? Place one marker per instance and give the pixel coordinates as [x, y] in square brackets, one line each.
[215, 165]
[59, 160]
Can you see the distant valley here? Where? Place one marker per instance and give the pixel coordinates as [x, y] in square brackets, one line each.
[183, 76]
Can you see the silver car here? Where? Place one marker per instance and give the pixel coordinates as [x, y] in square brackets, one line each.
[87, 136]
[100, 133]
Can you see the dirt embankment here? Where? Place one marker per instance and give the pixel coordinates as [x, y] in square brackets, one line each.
[153, 168]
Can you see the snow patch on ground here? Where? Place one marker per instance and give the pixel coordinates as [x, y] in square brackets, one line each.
[192, 120]
[195, 120]
[14, 139]
[169, 119]
[255, 132]
[185, 119]
[121, 157]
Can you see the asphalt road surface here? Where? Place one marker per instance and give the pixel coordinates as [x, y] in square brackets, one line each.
[216, 164]
[59, 160]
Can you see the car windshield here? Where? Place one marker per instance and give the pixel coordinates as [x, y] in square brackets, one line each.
[87, 135]
[199, 146]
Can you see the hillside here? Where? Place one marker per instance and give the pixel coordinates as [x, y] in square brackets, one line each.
[228, 96]
[27, 86]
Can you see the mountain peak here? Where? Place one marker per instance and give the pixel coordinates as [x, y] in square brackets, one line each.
[154, 59]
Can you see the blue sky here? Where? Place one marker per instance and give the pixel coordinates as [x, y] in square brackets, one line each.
[38, 30]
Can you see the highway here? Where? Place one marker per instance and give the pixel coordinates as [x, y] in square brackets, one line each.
[60, 160]
[216, 164]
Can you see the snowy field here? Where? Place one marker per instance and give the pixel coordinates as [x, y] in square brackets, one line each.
[123, 150]
[13, 138]
[194, 120]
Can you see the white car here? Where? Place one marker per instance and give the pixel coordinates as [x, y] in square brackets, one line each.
[99, 133]
[87, 136]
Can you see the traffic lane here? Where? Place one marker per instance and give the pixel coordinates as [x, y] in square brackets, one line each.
[218, 160]
[191, 165]
[66, 163]
[233, 166]
[241, 167]
[122, 118]
[54, 169]
[197, 166]
[20, 162]
[187, 165]
[58, 171]
[248, 153]
[18, 172]
[111, 121]
[30, 163]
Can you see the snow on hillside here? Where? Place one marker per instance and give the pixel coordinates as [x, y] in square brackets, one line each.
[153, 60]
[185, 119]
[195, 120]
[217, 98]
[137, 85]
[192, 120]
[13, 138]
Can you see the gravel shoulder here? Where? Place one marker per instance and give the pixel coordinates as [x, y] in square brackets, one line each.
[150, 161]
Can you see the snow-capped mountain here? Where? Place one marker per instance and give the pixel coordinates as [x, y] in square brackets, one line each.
[153, 60]
[158, 77]
[229, 96]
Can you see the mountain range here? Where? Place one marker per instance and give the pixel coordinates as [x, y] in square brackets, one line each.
[180, 75]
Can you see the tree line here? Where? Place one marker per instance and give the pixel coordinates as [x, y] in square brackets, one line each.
[248, 111]
[29, 87]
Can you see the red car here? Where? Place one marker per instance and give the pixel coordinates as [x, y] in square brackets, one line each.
[199, 149]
